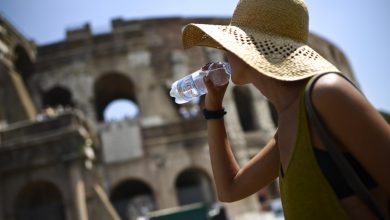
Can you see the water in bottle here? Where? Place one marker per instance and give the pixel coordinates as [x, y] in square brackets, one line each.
[192, 86]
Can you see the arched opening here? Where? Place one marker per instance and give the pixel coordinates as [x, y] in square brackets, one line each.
[57, 96]
[111, 87]
[133, 199]
[39, 201]
[22, 62]
[120, 109]
[194, 186]
[245, 106]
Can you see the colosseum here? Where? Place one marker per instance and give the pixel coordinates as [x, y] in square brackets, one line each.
[62, 158]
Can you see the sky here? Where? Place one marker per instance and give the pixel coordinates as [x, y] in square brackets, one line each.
[361, 29]
[120, 109]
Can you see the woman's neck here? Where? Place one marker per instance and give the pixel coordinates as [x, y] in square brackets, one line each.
[281, 94]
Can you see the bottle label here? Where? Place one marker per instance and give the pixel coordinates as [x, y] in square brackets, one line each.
[186, 88]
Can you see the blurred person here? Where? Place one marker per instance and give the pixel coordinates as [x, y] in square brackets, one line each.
[266, 46]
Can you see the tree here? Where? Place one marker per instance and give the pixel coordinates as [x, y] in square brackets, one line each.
[386, 116]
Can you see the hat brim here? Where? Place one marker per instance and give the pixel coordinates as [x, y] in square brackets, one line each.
[277, 57]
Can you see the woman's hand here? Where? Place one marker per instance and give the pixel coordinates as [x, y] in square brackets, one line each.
[214, 97]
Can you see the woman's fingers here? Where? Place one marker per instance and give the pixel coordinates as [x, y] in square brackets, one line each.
[209, 84]
[215, 94]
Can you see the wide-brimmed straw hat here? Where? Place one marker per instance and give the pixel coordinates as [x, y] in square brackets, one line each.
[269, 35]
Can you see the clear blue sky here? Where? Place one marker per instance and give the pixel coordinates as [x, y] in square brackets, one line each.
[360, 28]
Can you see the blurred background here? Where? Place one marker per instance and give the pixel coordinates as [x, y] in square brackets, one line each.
[359, 29]
[87, 127]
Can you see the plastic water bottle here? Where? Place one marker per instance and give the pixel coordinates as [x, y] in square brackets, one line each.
[192, 86]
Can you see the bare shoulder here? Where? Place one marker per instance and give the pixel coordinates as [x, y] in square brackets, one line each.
[334, 96]
[331, 88]
[351, 118]
[340, 103]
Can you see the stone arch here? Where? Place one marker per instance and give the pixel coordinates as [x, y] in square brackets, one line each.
[39, 200]
[133, 198]
[110, 87]
[193, 185]
[57, 96]
[245, 106]
[23, 63]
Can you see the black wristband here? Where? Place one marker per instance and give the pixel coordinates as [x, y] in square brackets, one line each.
[214, 114]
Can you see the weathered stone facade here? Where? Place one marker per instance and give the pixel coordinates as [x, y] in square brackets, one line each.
[17, 62]
[88, 165]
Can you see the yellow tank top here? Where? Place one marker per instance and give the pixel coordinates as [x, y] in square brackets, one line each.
[305, 192]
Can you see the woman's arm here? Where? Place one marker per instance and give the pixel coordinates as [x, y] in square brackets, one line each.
[354, 122]
[232, 182]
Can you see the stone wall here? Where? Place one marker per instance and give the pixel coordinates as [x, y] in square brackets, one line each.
[17, 57]
[157, 158]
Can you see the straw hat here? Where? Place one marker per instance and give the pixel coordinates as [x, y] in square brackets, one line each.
[269, 35]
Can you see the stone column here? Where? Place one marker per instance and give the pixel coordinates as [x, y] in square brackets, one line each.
[165, 192]
[166, 198]
[13, 93]
[78, 191]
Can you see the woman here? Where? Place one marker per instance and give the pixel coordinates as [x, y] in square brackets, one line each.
[265, 44]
